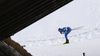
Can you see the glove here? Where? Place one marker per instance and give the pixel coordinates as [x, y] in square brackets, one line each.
[60, 32]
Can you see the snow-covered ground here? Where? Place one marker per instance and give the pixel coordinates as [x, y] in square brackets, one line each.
[90, 48]
[40, 37]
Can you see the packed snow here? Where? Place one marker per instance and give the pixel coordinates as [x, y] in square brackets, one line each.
[40, 37]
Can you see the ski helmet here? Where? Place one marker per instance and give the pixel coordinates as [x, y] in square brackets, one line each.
[59, 29]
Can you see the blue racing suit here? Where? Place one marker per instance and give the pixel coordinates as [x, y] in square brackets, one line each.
[66, 31]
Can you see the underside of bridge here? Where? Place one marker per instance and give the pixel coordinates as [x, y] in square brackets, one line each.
[15, 15]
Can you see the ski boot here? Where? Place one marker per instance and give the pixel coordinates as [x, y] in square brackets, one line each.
[67, 41]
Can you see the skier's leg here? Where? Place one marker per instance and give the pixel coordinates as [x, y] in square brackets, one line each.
[67, 41]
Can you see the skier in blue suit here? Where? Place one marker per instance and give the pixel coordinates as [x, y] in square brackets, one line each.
[66, 31]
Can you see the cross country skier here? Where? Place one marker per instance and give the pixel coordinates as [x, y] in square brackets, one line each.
[66, 31]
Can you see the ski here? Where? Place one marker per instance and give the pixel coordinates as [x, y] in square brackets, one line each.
[61, 44]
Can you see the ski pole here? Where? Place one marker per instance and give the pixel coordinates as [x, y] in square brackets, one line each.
[77, 28]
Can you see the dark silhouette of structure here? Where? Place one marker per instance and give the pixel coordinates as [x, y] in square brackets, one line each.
[18, 14]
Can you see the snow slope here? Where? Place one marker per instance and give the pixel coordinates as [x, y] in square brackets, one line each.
[73, 49]
[40, 36]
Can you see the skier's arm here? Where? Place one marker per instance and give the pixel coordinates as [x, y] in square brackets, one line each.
[64, 30]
